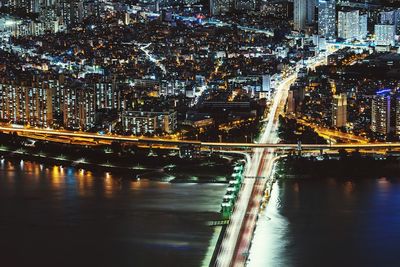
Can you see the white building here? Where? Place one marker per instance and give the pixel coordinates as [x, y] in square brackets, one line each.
[142, 122]
[391, 17]
[327, 18]
[362, 26]
[348, 24]
[384, 34]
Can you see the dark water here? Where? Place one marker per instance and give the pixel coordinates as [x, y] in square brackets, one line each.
[64, 217]
[330, 222]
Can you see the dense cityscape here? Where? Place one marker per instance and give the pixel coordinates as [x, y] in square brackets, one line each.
[133, 101]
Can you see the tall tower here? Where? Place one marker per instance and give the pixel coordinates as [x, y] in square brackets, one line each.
[300, 14]
[327, 18]
[381, 112]
[348, 24]
[363, 26]
[385, 34]
[311, 4]
[339, 110]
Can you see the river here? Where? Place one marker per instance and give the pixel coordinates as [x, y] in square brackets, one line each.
[59, 216]
[329, 222]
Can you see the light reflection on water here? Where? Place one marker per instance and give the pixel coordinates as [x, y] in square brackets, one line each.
[80, 218]
[330, 222]
[269, 240]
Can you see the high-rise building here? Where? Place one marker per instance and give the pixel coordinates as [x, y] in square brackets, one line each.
[391, 17]
[319, 42]
[218, 7]
[385, 115]
[72, 11]
[362, 26]
[78, 107]
[397, 114]
[295, 98]
[107, 95]
[381, 113]
[384, 34]
[311, 4]
[339, 110]
[142, 122]
[291, 106]
[388, 17]
[348, 24]
[327, 18]
[27, 104]
[266, 87]
[299, 14]
[245, 5]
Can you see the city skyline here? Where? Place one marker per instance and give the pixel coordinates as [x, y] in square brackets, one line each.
[188, 130]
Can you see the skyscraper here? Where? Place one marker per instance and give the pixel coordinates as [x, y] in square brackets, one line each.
[391, 17]
[381, 113]
[362, 26]
[339, 110]
[348, 24]
[299, 14]
[311, 4]
[327, 18]
[79, 107]
[384, 34]
[27, 103]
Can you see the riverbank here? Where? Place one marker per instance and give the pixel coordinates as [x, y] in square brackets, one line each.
[352, 165]
[128, 161]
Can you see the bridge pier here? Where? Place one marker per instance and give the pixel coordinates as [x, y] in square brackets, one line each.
[299, 148]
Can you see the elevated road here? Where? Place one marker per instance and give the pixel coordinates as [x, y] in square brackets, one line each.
[32, 132]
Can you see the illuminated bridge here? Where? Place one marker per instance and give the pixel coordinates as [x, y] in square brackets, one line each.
[36, 133]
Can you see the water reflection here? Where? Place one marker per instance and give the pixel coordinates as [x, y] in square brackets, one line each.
[269, 240]
[383, 183]
[348, 187]
[354, 224]
[57, 208]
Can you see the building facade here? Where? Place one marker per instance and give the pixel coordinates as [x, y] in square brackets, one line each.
[339, 110]
[299, 14]
[327, 18]
[381, 113]
[385, 34]
[27, 104]
[149, 122]
[346, 24]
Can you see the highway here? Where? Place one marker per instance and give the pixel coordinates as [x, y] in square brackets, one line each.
[238, 235]
[264, 142]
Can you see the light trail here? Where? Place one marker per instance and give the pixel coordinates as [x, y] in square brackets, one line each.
[238, 235]
[264, 141]
[237, 240]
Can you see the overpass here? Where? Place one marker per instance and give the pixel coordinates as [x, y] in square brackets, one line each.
[34, 133]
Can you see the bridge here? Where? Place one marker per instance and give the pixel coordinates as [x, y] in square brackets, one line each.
[34, 133]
